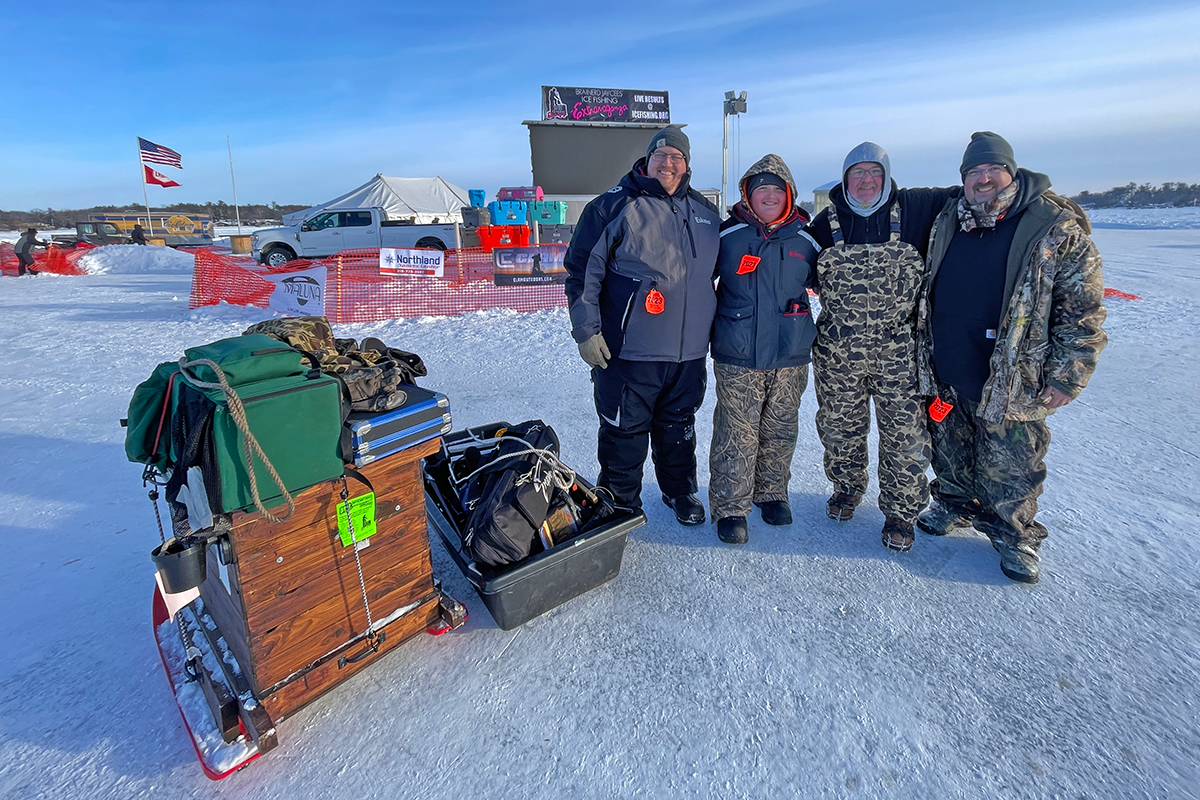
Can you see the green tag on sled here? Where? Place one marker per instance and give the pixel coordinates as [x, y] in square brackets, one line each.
[362, 513]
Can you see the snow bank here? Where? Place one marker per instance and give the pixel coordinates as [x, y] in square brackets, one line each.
[131, 259]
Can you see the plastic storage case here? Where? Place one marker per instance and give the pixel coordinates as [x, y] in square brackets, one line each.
[493, 236]
[424, 415]
[508, 212]
[474, 217]
[478, 197]
[517, 593]
[549, 212]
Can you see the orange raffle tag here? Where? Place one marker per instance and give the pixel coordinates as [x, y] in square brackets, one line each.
[748, 264]
[938, 409]
[655, 302]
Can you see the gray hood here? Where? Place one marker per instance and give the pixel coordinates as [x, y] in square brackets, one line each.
[868, 151]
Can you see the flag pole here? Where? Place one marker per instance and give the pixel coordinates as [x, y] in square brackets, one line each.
[233, 180]
[145, 195]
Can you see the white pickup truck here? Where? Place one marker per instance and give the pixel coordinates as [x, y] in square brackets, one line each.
[329, 232]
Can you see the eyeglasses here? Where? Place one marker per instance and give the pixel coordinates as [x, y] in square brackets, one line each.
[979, 172]
[672, 157]
[859, 174]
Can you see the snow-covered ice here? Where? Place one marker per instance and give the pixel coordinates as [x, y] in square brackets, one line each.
[811, 662]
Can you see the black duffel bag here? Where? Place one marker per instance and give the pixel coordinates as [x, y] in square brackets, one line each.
[507, 499]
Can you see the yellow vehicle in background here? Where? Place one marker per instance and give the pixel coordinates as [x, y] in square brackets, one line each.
[162, 227]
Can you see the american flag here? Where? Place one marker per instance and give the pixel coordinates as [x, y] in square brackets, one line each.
[157, 154]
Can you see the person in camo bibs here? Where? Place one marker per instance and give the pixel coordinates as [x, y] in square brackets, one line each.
[761, 346]
[869, 275]
[1010, 330]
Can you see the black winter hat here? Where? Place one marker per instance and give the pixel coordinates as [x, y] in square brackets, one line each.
[765, 179]
[988, 148]
[671, 136]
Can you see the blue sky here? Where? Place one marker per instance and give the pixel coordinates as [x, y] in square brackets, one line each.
[319, 97]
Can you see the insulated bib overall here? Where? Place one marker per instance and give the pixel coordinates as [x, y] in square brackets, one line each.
[866, 348]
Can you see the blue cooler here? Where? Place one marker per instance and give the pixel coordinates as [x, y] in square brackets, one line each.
[508, 212]
[478, 197]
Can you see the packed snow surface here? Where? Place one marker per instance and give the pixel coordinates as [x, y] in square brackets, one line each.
[811, 662]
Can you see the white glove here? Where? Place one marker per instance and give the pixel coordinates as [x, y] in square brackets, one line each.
[595, 351]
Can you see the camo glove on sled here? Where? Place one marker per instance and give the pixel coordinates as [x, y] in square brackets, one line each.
[595, 351]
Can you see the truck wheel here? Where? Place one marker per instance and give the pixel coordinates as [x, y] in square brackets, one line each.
[278, 256]
[431, 242]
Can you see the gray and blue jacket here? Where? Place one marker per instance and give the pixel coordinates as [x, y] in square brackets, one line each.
[763, 316]
[636, 239]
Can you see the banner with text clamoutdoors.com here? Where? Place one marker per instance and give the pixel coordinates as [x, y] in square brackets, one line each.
[352, 287]
[573, 104]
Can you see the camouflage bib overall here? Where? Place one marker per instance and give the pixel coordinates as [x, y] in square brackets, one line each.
[865, 349]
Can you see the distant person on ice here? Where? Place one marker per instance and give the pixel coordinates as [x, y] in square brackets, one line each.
[869, 274]
[1009, 330]
[24, 250]
[761, 346]
[137, 235]
[640, 271]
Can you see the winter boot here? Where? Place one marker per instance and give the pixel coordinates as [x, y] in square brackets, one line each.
[938, 520]
[732, 530]
[776, 512]
[1019, 562]
[841, 506]
[897, 534]
[688, 510]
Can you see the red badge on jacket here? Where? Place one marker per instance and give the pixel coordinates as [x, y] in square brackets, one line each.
[655, 302]
[748, 264]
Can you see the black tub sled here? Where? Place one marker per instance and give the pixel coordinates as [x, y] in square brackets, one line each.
[526, 531]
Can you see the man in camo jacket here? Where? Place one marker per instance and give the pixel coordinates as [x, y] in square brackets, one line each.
[1009, 330]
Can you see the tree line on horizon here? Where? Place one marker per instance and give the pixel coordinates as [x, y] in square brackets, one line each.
[220, 211]
[1131, 195]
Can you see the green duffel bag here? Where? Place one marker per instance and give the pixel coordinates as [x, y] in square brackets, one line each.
[286, 422]
[245, 359]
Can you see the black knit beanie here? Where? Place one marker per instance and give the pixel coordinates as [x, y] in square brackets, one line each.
[671, 136]
[764, 179]
[988, 148]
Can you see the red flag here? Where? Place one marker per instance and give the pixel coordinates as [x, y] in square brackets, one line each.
[157, 178]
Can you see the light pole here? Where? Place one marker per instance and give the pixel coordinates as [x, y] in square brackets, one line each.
[733, 106]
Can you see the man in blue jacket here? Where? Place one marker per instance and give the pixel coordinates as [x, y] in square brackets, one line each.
[640, 288]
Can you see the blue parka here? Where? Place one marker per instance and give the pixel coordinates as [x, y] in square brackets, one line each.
[763, 316]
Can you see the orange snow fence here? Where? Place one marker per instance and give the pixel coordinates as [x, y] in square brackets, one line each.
[1119, 295]
[54, 259]
[355, 291]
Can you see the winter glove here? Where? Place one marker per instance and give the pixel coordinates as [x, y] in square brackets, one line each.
[595, 351]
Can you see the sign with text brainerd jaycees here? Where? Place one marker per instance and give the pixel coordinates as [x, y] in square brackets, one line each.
[574, 104]
[422, 263]
[298, 294]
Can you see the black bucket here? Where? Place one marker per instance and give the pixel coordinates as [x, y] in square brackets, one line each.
[181, 563]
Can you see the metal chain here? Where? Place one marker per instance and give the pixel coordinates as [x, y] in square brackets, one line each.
[362, 584]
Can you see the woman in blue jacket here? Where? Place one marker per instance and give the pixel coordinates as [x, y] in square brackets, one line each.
[761, 345]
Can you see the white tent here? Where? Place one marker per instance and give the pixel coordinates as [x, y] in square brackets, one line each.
[420, 199]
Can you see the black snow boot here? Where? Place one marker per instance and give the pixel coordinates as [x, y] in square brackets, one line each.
[688, 510]
[733, 530]
[776, 512]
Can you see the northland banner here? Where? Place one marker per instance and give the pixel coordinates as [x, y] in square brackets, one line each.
[529, 266]
[576, 104]
[299, 294]
[421, 263]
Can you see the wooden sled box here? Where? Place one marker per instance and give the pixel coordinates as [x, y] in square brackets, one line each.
[284, 601]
